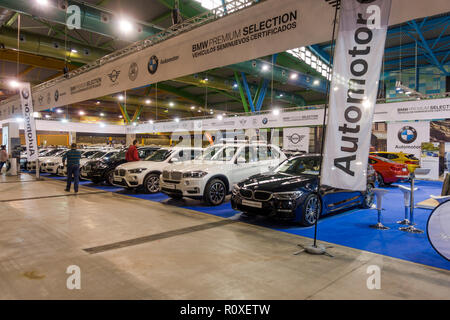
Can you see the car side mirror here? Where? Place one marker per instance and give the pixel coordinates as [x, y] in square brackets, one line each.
[240, 160]
[174, 160]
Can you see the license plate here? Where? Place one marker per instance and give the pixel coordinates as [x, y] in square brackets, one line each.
[170, 186]
[118, 179]
[253, 204]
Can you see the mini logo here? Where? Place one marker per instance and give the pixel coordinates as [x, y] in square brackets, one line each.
[152, 64]
[242, 121]
[407, 134]
[56, 95]
[295, 138]
[25, 93]
[114, 75]
[265, 120]
[133, 71]
[41, 99]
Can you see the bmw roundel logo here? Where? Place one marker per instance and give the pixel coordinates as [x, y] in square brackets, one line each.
[153, 64]
[56, 95]
[407, 134]
[265, 120]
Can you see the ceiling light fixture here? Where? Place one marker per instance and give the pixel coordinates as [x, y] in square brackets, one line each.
[125, 26]
[276, 112]
[148, 101]
[294, 76]
[81, 113]
[177, 120]
[13, 83]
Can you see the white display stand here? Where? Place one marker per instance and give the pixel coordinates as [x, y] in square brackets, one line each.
[431, 163]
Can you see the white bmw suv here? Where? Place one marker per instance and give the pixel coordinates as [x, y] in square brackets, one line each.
[145, 174]
[211, 176]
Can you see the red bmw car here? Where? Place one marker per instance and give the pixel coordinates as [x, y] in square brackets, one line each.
[387, 170]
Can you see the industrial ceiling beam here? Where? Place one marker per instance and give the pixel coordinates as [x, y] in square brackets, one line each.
[93, 19]
[50, 47]
[35, 60]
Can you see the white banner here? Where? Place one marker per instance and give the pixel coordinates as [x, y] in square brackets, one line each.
[296, 139]
[29, 123]
[407, 137]
[413, 110]
[357, 65]
[311, 117]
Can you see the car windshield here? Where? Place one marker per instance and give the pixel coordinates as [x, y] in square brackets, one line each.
[89, 154]
[109, 155]
[299, 166]
[159, 155]
[52, 152]
[411, 157]
[98, 154]
[220, 153]
[118, 155]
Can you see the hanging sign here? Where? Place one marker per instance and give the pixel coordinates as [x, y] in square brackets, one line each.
[296, 139]
[407, 137]
[356, 72]
[26, 103]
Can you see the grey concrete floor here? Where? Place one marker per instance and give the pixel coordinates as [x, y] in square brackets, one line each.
[157, 251]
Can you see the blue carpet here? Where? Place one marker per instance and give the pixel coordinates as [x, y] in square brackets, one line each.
[349, 228]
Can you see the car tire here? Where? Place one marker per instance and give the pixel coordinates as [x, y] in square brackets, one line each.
[151, 183]
[309, 214]
[215, 192]
[368, 197]
[109, 177]
[380, 180]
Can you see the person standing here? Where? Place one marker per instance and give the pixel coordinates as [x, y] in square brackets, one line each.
[73, 157]
[132, 153]
[3, 157]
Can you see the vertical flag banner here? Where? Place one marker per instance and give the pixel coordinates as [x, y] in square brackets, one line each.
[357, 65]
[26, 103]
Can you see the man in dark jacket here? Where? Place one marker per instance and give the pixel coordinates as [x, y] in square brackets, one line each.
[132, 153]
[73, 157]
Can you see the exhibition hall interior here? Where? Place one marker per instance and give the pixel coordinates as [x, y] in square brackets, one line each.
[224, 150]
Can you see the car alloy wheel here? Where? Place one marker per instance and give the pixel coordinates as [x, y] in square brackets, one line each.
[217, 192]
[312, 209]
[152, 183]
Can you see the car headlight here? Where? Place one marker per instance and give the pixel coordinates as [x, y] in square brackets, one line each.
[291, 195]
[194, 174]
[137, 170]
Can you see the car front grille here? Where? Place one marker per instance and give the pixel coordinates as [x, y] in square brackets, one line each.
[256, 195]
[246, 193]
[122, 172]
[262, 195]
[172, 175]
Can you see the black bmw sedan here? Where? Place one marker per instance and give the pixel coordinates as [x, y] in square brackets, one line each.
[290, 193]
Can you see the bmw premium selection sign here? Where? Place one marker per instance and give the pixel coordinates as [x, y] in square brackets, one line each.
[357, 65]
[296, 139]
[29, 124]
[407, 137]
